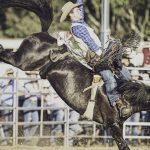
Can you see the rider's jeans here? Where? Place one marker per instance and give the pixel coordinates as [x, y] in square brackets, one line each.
[111, 84]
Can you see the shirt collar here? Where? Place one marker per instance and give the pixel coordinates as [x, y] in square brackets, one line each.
[80, 21]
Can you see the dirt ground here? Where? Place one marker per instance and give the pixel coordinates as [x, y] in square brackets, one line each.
[68, 148]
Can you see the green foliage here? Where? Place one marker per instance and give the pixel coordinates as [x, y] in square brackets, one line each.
[20, 23]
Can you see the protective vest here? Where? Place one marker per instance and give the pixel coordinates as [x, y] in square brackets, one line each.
[80, 42]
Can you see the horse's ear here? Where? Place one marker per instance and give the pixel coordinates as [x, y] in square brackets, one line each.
[42, 8]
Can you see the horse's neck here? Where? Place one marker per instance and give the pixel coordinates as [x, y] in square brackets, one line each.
[69, 78]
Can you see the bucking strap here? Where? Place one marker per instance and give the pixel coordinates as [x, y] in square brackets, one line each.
[91, 104]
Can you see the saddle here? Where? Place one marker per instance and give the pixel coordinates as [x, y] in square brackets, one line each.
[53, 58]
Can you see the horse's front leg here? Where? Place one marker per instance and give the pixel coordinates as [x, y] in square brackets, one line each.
[117, 135]
[8, 56]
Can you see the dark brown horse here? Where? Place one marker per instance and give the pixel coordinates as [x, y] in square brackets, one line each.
[69, 78]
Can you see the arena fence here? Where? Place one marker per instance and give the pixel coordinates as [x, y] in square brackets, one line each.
[137, 124]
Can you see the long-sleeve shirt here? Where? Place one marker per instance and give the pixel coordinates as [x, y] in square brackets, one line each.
[81, 31]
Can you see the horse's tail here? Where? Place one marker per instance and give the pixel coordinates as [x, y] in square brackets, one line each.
[42, 8]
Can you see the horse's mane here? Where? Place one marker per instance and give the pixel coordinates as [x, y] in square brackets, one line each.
[133, 91]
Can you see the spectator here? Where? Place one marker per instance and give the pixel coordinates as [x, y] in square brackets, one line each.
[134, 130]
[126, 62]
[137, 58]
[135, 75]
[106, 141]
[2, 135]
[145, 117]
[146, 78]
[146, 52]
[55, 112]
[74, 127]
[7, 100]
[31, 101]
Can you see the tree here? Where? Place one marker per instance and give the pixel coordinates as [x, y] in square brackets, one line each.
[125, 16]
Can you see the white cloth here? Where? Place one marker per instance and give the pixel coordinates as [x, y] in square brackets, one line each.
[136, 59]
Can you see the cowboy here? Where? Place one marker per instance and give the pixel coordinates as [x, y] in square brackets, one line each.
[7, 100]
[88, 40]
[32, 94]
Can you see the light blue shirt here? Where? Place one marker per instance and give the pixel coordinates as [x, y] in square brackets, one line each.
[81, 32]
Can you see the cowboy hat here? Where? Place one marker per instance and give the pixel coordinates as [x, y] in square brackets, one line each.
[66, 10]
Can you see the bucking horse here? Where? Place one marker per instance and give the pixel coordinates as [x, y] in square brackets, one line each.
[69, 78]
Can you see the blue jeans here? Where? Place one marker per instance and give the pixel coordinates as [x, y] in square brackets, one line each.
[57, 115]
[74, 117]
[134, 130]
[30, 116]
[111, 83]
[8, 116]
[74, 128]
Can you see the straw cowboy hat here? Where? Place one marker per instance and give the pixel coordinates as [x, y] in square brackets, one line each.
[66, 10]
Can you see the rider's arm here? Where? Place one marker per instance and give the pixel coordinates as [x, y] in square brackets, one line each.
[82, 33]
[81, 8]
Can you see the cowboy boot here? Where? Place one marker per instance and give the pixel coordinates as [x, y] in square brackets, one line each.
[124, 110]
